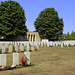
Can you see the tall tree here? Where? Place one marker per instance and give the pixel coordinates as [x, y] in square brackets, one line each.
[73, 35]
[62, 38]
[68, 36]
[49, 24]
[12, 19]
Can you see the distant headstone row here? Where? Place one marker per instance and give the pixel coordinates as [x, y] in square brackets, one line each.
[26, 46]
[58, 43]
[18, 46]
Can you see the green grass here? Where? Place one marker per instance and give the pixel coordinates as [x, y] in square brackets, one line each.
[47, 61]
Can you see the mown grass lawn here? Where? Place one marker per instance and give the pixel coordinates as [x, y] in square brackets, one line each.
[48, 61]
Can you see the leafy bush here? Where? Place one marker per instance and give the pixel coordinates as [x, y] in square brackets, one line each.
[22, 51]
[31, 64]
[7, 67]
[0, 51]
[19, 66]
[74, 44]
[13, 50]
[30, 50]
[24, 61]
[13, 47]
[6, 51]
[69, 45]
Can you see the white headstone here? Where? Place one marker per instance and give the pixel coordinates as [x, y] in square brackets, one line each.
[61, 45]
[47, 44]
[6, 44]
[3, 60]
[27, 47]
[10, 48]
[24, 44]
[56, 44]
[67, 44]
[53, 44]
[37, 47]
[1, 46]
[22, 47]
[3, 49]
[16, 47]
[27, 55]
[15, 58]
[50, 44]
[41, 44]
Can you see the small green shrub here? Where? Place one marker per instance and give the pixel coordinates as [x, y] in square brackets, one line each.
[6, 51]
[13, 47]
[31, 64]
[7, 67]
[51, 46]
[30, 50]
[23, 44]
[69, 45]
[19, 66]
[74, 44]
[0, 51]
[13, 50]
[22, 51]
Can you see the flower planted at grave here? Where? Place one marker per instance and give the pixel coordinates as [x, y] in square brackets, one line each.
[0, 67]
[24, 61]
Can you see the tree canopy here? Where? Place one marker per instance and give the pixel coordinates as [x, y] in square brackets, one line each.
[48, 23]
[73, 35]
[12, 20]
[68, 36]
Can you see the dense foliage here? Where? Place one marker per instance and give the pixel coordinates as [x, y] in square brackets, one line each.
[48, 23]
[62, 38]
[73, 35]
[12, 20]
[69, 36]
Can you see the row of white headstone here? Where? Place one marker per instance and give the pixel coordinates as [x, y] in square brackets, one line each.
[61, 43]
[3, 46]
[15, 58]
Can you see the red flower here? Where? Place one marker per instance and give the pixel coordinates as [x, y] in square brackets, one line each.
[23, 61]
[0, 65]
[22, 58]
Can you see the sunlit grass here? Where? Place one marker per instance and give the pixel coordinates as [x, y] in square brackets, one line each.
[47, 61]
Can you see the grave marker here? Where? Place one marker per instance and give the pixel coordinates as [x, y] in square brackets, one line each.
[15, 58]
[27, 55]
[3, 60]
[10, 48]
